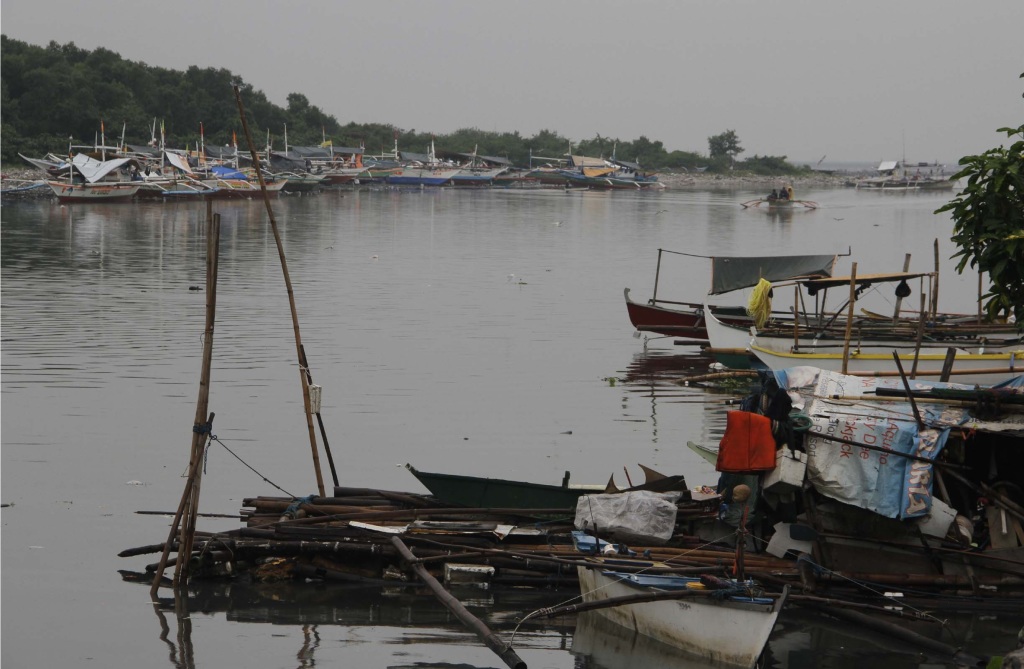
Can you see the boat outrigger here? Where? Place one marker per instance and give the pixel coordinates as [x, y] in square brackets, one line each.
[780, 199]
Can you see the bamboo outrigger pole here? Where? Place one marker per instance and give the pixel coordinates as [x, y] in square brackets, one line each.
[291, 295]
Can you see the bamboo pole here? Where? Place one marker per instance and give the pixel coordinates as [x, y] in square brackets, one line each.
[158, 576]
[906, 386]
[288, 288]
[201, 431]
[917, 342]
[935, 282]
[796, 317]
[849, 317]
[319, 419]
[657, 274]
[202, 426]
[899, 300]
[491, 640]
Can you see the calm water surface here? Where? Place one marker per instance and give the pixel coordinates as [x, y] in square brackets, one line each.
[481, 333]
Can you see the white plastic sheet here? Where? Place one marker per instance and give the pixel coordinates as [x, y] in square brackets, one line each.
[639, 517]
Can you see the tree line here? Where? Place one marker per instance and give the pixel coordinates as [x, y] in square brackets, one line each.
[60, 94]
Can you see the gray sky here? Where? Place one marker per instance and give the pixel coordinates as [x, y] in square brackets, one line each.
[859, 81]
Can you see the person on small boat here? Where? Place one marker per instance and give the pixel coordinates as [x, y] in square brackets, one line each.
[789, 192]
[783, 194]
[774, 195]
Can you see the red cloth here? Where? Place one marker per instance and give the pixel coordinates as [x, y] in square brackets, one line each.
[747, 445]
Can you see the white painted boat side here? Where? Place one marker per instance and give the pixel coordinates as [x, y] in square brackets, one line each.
[727, 633]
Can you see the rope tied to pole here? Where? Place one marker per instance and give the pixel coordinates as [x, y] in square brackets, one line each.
[214, 438]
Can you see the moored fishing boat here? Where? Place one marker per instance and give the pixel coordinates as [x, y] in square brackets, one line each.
[421, 176]
[944, 345]
[91, 180]
[68, 193]
[726, 621]
[728, 274]
[896, 176]
[295, 182]
[492, 493]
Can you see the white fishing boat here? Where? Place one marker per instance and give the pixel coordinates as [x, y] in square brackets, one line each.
[91, 180]
[727, 627]
[68, 193]
[951, 345]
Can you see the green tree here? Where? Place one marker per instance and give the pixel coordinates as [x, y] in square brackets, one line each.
[988, 223]
[726, 144]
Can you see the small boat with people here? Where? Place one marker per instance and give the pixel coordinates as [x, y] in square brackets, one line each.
[781, 198]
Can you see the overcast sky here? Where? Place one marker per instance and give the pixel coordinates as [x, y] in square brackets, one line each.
[856, 81]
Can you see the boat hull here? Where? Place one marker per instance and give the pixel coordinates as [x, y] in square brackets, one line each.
[728, 633]
[421, 177]
[969, 368]
[114, 192]
[484, 493]
[228, 189]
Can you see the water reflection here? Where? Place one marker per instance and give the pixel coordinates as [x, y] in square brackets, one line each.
[600, 644]
[656, 376]
[396, 616]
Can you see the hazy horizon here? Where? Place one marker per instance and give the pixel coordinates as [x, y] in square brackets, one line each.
[852, 83]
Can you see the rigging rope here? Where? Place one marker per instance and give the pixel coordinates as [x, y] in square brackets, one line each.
[213, 437]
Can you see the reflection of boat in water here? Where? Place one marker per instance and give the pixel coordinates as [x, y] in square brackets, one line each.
[799, 638]
[600, 642]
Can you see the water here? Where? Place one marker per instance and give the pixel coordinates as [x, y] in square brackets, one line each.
[481, 333]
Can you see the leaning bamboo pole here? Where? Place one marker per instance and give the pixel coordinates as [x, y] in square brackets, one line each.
[188, 507]
[203, 434]
[491, 640]
[849, 317]
[291, 294]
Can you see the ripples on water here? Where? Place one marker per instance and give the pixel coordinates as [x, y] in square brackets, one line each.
[471, 332]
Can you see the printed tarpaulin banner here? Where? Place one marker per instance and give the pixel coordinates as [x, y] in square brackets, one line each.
[880, 481]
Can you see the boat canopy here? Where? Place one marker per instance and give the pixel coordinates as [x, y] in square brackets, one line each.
[585, 161]
[888, 165]
[95, 170]
[178, 161]
[862, 279]
[733, 273]
[227, 173]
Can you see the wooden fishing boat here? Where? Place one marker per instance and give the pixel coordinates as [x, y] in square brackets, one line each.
[295, 182]
[723, 621]
[421, 176]
[687, 319]
[779, 203]
[68, 193]
[985, 353]
[489, 493]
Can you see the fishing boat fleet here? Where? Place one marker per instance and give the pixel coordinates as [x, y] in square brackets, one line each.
[123, 172]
